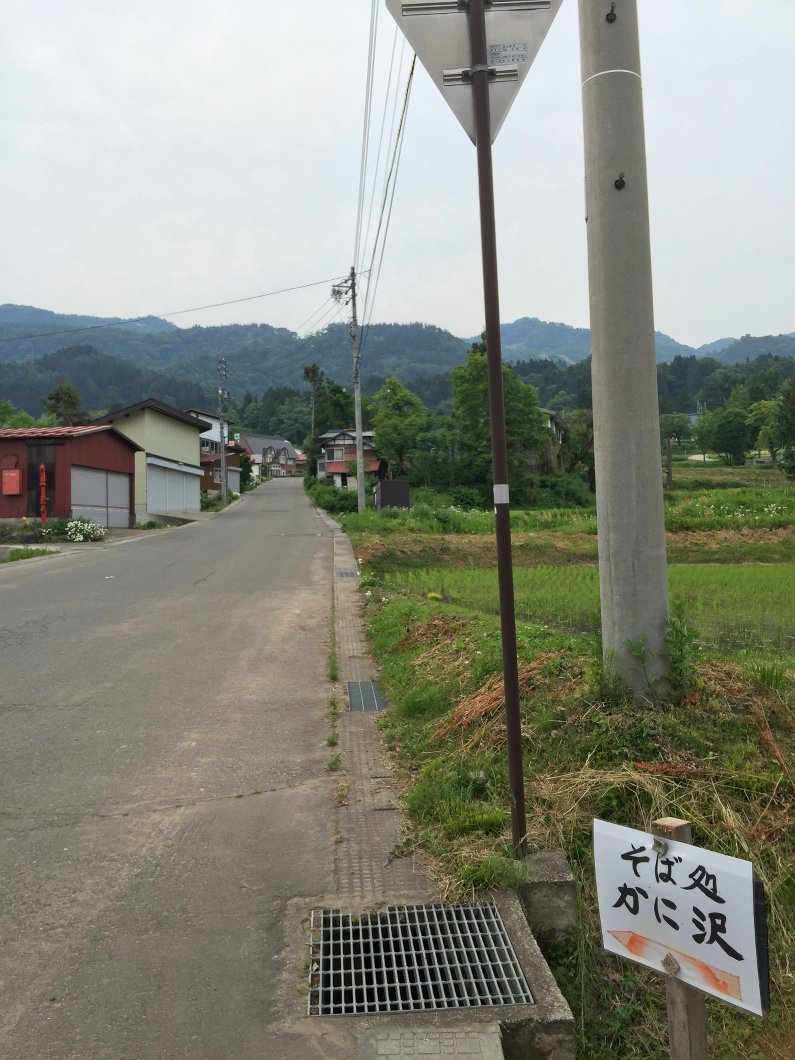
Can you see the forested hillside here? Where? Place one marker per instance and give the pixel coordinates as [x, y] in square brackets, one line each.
[103, 382]
[114, 363]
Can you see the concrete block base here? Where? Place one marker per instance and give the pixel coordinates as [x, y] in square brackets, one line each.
[550, 894]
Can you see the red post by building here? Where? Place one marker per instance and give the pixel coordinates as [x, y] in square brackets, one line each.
[43, 494]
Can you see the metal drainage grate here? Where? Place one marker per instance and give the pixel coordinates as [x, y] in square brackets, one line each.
[347, 573]
[365, 695]
[412, 958]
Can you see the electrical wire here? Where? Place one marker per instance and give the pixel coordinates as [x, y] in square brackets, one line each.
[368, 102]
[381, 137]
[316, 324]
[165, 316]
[311, 317]
[386, 205]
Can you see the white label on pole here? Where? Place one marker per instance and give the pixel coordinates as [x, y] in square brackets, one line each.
[501, 494]
[694, 904]
[508, 54]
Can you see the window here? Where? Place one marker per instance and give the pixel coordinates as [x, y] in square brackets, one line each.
[217, 474]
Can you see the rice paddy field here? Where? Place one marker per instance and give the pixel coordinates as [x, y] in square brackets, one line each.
[735, 606]
[720, 754]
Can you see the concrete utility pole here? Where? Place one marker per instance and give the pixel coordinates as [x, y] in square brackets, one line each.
[629, 498]
[223, 394]
[339, 293]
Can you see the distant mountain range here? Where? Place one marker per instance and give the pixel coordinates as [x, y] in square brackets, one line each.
[183, 360]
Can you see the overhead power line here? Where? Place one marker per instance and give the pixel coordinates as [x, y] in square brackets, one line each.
[368, 103]
[165, 316]
[390, 185]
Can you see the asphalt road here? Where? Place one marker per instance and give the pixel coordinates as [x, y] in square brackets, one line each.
[163, 791]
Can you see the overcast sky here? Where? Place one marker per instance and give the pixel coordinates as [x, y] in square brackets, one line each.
[157, 155]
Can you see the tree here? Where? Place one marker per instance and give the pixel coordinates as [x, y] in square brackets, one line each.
[333, 409]
[246, 473]
[676, 425]
[577, 449]
[524, 425]
[762, 417]
[785, 426]
[314, 377]
[702, 433]
[730, 433]
[63, 402]
[399, 421]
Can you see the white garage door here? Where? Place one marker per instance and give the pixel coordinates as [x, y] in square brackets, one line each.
[101, 496]
[170, 490]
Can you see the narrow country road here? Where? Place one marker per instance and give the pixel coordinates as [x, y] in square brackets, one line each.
[163, 791]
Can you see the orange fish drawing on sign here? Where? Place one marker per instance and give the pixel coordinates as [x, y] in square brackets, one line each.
[711, 977]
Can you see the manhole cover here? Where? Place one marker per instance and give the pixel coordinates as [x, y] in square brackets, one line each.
[365, 695]
[412, 958]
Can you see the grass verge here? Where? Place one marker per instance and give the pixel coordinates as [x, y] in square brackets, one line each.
[724, 758]
[16, 554]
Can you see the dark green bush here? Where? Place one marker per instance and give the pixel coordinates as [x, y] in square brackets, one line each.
[328, 496]
[559, 491]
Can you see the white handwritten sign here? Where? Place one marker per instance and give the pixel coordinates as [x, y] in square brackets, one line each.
[684, 907]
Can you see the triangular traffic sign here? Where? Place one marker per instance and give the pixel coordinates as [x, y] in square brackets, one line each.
[438, 31]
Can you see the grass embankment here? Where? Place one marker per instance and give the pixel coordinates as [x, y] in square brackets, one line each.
[723, 758]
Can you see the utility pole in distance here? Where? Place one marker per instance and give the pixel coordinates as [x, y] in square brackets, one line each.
[223, 394]
[629, 496]
[338, 293]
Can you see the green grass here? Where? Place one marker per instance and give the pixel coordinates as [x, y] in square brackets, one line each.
[722, 757]
[715, 508]
[734, 606]
[26, 553]
[695, 475]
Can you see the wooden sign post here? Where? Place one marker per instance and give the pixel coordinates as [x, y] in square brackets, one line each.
[687, 1018]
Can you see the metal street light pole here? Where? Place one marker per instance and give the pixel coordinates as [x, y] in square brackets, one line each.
[499, 451]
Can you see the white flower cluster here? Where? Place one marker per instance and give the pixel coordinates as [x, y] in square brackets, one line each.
[84, 530]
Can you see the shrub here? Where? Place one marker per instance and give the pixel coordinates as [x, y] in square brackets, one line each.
[559, 491]
[467, 497]
[327, 495]
[84, 530]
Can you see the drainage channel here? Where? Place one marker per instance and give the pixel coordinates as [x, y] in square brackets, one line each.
[412, 958]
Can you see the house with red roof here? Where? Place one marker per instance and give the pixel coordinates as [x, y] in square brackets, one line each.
[337, 457]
